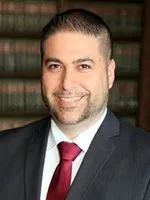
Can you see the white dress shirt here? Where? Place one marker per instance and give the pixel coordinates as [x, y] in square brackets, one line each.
[56, 136]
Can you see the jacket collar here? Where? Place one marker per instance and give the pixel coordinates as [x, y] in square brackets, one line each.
[98, 154]
[35, 158]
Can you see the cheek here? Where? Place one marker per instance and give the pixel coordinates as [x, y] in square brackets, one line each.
[45, 81]
[48, 82]
[96, 82]
[98, 87]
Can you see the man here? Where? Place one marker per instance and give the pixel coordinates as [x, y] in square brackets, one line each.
[113, 160]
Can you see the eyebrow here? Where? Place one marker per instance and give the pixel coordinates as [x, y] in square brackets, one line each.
[52, 60]
[80, 60]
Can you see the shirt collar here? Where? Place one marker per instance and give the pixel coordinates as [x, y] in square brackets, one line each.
[83, 140]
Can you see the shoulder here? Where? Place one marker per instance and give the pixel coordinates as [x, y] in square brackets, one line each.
[24, 132]
[14, 143]
[138, 139]
[132, 130]
[127, 136]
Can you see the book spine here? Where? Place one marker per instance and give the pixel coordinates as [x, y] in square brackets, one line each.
[33, 97]
[123, 97]
[22, 17]
[21, 96]
[127, 57]
[11, 96]
[19, 57]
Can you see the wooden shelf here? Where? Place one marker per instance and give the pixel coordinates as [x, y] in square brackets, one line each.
[19, 75]
[144, 87]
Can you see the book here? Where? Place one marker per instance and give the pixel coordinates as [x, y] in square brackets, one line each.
[25, 17]
[127, 56]
[21, 96]
[124, 97]
[20, 57]
[33, 98]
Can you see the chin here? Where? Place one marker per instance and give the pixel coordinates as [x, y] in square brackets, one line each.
[68, 120]
[70, 117]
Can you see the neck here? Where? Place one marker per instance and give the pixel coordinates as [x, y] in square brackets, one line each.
[73, 130]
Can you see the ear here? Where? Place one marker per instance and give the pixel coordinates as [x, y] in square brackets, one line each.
[111, 73]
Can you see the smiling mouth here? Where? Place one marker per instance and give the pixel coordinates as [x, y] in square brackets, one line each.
[70, 99]
[68, 102]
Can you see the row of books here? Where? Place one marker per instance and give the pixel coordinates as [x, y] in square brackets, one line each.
[30, 17]
[19, 96]
[21, 17]
[23, 97]
[22, 57]
[124, 97]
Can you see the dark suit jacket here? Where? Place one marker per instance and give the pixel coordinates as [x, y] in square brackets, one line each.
[116, 166]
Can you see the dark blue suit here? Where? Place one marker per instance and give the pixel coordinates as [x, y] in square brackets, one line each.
[115, 167]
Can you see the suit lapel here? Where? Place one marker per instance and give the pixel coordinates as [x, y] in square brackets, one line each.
[35, 160]
[97, 155]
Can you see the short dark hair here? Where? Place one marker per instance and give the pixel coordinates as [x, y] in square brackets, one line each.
[78, 20]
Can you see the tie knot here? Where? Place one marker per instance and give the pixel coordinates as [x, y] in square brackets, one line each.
[68, 151]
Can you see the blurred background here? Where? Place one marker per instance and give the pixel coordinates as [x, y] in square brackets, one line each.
[20, 24]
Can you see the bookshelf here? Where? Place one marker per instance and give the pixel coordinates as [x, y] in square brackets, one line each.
[144, 97]
[21, 23]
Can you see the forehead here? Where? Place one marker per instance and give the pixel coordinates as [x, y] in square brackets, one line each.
[73, 42]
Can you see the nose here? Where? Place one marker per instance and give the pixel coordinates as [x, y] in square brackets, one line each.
[67, 80]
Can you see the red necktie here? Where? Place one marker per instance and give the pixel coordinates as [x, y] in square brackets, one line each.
[60, 184]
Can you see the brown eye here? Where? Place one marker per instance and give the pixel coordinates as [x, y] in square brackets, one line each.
[85, 66]
[54, 67]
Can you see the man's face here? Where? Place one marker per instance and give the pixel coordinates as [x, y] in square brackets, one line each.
[76, 76]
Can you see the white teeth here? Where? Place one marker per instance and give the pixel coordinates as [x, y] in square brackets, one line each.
[70, 99]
